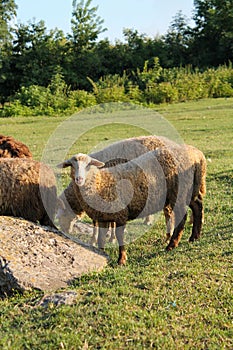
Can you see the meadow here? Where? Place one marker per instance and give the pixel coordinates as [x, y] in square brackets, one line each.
[177, 300]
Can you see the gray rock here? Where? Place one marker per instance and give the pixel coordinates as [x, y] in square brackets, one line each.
[58, 299]
[37, 257]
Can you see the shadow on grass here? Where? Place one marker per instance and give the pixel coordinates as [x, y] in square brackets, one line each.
[225, 176]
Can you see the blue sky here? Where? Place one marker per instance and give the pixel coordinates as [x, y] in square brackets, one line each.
[151, 17]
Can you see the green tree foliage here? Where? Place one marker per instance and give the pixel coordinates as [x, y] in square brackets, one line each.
[86, 25]
[177, 41]
[213, 34]
[33, 58]
[7, 15]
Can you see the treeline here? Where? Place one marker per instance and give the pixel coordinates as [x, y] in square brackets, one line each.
[49, 71]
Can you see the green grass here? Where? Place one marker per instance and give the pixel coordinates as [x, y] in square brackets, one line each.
[176, 300]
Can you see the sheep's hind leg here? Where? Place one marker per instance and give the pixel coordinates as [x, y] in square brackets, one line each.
[120, 238]
[103, 229]
[177, 234]
[197, 211]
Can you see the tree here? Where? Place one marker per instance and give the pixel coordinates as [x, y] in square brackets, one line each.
[33, 59]
[86, 25]
[213, 35]
[7, 14]
[177, 41]
[37, 51]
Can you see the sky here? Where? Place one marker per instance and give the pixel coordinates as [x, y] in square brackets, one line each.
[150, 17]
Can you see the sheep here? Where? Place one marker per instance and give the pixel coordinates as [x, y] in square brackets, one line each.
[160, 179]
[11, 148]
[27, 190]
[128, 149]
[118, 152]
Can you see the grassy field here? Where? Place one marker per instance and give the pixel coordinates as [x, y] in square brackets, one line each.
[177, 300]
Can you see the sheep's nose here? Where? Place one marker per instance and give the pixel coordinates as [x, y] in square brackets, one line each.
[79, 180]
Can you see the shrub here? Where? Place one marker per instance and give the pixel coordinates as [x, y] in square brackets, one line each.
[149, 76]
[161, 93]
[33, 96]
[110, 88]
[219, 82]
[82, 99]
[14, 109]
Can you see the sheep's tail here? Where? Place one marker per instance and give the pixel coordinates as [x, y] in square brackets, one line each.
[200, 178]
[203, 176]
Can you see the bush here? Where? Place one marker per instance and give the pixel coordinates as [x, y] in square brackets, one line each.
[82, 99]
[219, 82]
[33, 96]
[152, 85]
[15, 109]
[161, 93]
[110, 88]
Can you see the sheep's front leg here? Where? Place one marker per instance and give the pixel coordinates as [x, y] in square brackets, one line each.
[120, 238]
[170, 222]
[95, 233]
[103, 229]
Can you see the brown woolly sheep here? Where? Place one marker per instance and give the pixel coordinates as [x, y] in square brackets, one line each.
[27, 190]
[11, 148]
[116, 153]
[160, 179]
[127, 149]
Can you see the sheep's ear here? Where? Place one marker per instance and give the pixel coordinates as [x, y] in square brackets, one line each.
[64, 164]
[96, 162]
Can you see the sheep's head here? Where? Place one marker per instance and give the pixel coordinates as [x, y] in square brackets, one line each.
[80, 165]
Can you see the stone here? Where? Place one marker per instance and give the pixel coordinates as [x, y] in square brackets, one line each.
[38, 257]
[57, 299]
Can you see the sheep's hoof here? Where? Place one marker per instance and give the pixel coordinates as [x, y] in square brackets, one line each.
[194, 238]
[121, 262]
[168, 237]
[170, 247]
[122, 259]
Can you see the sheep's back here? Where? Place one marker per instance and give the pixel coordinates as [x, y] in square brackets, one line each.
[28, 189]
[131, 148]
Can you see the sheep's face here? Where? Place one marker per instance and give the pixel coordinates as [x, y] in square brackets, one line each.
[80, 165]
